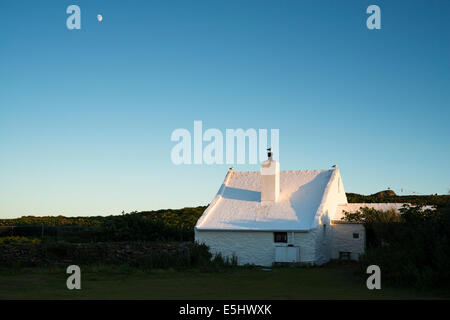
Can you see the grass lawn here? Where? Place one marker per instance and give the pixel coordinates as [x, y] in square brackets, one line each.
[107, 282]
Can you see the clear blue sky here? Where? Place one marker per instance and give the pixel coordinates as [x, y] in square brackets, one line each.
[86, 115]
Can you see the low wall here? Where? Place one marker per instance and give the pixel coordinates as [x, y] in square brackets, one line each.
[85, 253]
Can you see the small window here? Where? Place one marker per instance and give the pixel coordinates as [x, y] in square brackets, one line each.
[280, 237]
[355, 235]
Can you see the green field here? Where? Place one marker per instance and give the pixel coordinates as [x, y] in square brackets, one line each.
[330, 282]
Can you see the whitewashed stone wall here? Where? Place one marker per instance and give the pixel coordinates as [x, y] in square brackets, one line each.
[248, 247]
[256, 247]
[334, 195]
[306, 241]
[342, 239]
[317, 246]
[323, 244]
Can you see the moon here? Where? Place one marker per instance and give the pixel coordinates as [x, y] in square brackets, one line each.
[99, 17]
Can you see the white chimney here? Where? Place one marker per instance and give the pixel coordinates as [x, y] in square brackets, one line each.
[270, 179]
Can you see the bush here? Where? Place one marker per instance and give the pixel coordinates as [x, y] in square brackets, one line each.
[411, 248]
[161, 225]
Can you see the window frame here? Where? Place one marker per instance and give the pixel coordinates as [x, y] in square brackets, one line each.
[275, 234]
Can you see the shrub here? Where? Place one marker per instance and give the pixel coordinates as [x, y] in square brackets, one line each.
[411, 248]
[161, 225]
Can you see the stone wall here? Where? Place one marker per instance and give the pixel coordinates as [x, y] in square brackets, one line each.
[83, 253]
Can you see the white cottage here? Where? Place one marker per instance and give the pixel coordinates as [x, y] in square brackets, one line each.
[268, 216]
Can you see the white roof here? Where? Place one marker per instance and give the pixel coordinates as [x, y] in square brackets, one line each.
[353, 207]
[237, 205]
